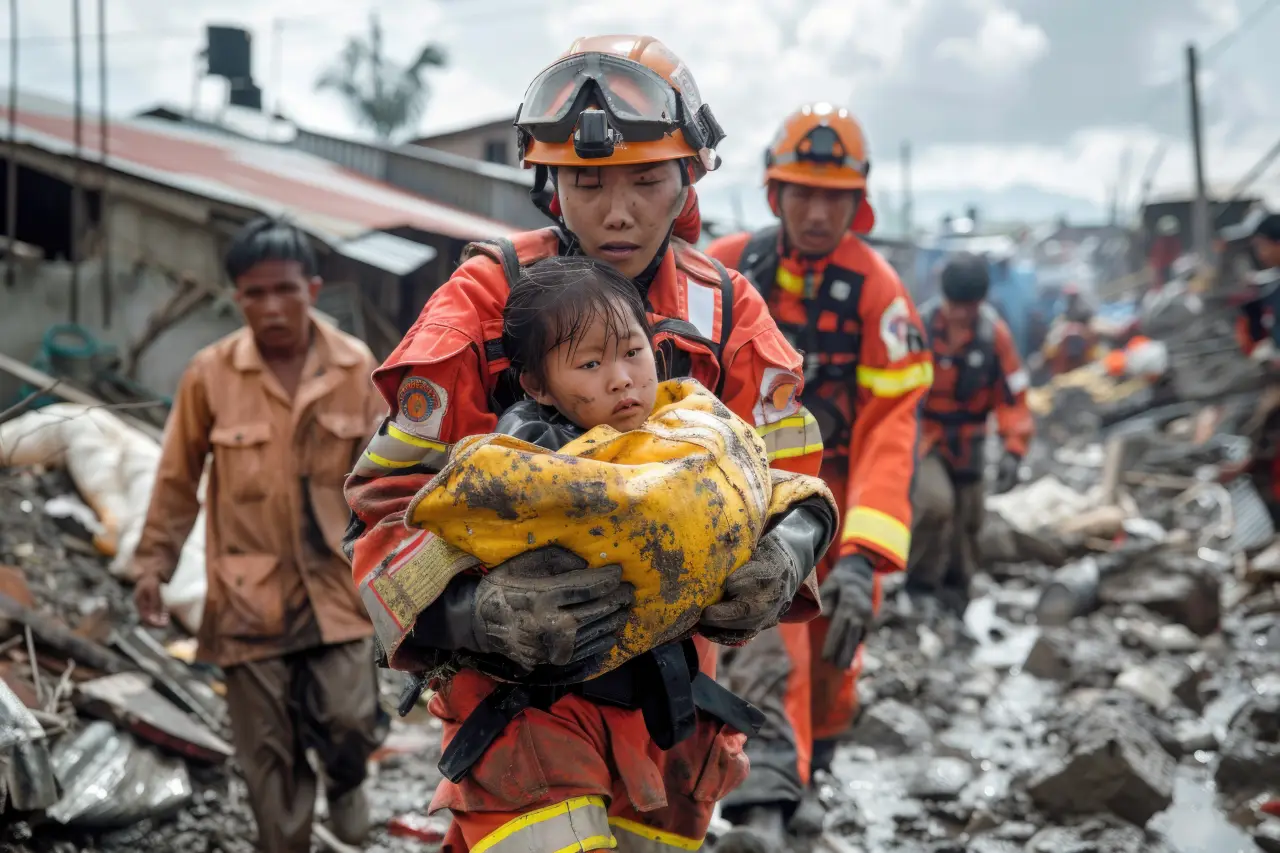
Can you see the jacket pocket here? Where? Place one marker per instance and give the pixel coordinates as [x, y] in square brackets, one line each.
[334, 445]
[726, 766]
[253, 596]
[239, 455]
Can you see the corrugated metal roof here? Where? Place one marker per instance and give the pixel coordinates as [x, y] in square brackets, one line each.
[396, 255]
[335, 203]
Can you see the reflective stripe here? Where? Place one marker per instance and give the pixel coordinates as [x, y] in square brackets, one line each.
[574, 826]
[895, 382]
[1019, 381]
[792, 437]
[702, 309]
[791, 282]
[880, 529]
[396, 449]
[635, 837]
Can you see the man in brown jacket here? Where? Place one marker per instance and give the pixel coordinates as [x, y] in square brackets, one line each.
[285, 406]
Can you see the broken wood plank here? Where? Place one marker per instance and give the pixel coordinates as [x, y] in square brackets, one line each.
[53, 385]
[61, 639]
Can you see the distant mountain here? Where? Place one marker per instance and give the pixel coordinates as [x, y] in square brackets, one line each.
[1013, 204]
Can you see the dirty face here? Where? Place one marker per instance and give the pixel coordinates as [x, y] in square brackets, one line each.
[1267, 252]
[275, 297]
[621, 214]
[815, 219]
[604, 377]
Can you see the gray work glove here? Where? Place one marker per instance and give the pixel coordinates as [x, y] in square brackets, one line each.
[1007, 473]
[547, 607]
[847, 601]
[757, 595]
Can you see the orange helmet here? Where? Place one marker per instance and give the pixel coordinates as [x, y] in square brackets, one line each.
[617, 100]
[820, 145]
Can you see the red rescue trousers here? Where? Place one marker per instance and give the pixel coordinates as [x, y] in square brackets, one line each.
[583, 776]
[807, 702]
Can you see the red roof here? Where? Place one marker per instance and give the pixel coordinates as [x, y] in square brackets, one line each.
[327, 198]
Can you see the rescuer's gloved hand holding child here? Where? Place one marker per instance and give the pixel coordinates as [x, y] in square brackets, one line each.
[637, 518]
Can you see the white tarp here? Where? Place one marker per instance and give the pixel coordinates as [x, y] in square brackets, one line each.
[114, 467]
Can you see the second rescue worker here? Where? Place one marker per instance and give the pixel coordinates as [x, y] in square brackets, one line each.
[867, 367]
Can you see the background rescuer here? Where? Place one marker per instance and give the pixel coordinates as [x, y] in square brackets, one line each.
[617, 133]
[977, 372]
[866, 369]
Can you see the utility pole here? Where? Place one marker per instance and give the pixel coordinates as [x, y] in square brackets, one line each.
[908, 216]
[277, 67]
[76, 197]
[11, 172]
[104, 209]
[1200, 237]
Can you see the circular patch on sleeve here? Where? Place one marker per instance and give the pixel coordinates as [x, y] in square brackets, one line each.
[418, 399]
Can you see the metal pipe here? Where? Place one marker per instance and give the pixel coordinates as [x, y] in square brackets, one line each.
[104, 218]
[11, 173]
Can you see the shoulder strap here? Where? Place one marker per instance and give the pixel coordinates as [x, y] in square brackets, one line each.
[726, 321]
[759, 261]
[506, 255]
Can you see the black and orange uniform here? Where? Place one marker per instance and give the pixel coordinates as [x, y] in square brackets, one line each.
[977, 374]
[867, 369]
[566, 769]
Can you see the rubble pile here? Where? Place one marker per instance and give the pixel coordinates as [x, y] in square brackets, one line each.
[110, 740]
[1112, 685]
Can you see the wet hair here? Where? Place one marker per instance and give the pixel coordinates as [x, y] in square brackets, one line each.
[269, 239]
[556, 300]
[1269, 227]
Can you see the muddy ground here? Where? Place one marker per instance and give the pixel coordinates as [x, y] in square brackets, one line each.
[987, 735]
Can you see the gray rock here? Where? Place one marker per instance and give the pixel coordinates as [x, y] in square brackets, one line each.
[1049, 658]
[892, 727]
[1194, 736]
[1113, 764]
[1185, 595]
[941, 779]
[1250, 760]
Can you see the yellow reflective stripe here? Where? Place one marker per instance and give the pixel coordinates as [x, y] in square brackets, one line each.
[395, 432]
[658, 840]
[880, 529]
[801, 420]
[895, 382]
[789, 281]
[550, 827]
[384, 462]
[790, 437]
[793, 452]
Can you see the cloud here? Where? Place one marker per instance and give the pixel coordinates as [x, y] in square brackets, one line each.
[991, 93]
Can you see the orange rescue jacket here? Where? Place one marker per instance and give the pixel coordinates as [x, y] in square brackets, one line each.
[867, 369]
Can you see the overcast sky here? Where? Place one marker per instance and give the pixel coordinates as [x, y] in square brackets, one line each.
[992, 94]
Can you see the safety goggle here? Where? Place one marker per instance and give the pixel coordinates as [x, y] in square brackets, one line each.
[822, 146]
[640, 104]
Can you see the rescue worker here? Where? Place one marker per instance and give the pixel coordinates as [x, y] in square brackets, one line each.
[1257, 335]
[617, 133]
[285, 407]
[1072, 341]
[866, 370]
[977, 372]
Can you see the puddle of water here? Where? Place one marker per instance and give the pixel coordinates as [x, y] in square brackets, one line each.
[1194, 823]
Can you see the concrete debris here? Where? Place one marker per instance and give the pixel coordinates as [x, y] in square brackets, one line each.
[1195, 736]
[1188, 596]
[892, 727]
[1112, 764]
[1267, 836]
[1250, 761]
[1049, 658]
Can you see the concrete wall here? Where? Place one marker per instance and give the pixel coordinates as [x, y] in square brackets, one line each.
[42, 298]
[472, 143]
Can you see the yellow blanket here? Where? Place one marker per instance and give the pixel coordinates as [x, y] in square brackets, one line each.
[679, 503]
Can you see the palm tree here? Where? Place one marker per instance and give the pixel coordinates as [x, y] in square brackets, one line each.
[382, 95]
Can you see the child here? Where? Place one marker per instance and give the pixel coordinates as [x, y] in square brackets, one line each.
[606, 462]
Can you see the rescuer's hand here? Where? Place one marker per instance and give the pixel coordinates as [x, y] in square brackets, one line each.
[848, 600]
[547, 607]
